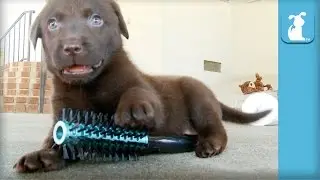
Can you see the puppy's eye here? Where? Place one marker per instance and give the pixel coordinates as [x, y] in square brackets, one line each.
[95, 20]
[52, 24]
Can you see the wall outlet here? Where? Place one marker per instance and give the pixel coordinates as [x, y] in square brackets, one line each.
[211, 66]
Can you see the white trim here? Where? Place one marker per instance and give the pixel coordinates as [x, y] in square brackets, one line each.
[60, 124]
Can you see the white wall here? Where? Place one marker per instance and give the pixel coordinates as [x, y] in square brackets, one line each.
[193, 33]
[254, 46]
[255, 40]
[175, 37]
[145, 26]
[243, 36]
[10, 11]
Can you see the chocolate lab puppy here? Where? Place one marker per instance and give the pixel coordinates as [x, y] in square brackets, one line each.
[82, 40]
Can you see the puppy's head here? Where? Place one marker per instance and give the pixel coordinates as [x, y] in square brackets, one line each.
[79, 37]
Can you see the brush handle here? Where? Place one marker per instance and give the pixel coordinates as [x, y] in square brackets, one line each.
[87, 135]
[171, 144]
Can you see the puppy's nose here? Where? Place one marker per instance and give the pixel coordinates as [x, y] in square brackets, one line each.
[72, 49]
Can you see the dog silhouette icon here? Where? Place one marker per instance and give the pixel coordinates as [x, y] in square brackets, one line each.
[295, 30]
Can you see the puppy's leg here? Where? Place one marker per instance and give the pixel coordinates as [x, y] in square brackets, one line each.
[139, 107]
[46, 158]
[206, 117]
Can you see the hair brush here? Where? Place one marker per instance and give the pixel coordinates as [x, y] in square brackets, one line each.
[87, 135]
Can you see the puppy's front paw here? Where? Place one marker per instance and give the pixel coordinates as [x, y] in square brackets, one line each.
[138, 114]
[42, 160]
[210, 146]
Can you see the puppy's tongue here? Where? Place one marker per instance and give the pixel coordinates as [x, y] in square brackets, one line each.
[77, 69]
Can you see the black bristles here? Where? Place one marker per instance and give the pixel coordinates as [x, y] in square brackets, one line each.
[100, 152]
[87, 135]
[94, 136]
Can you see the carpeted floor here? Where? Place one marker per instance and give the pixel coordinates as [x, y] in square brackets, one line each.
[252, 153]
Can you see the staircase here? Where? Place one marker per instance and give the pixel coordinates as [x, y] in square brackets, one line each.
[25, 86]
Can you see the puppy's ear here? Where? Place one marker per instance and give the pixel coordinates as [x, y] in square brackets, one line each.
[35, 32]
[303, 14]
[122, 23]
[291, 17]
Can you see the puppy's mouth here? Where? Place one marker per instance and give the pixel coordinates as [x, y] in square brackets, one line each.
[81, 69]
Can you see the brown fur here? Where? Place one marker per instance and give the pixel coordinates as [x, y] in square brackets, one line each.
[166, 105]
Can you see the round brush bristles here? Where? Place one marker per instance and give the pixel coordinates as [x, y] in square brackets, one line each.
[91, 136]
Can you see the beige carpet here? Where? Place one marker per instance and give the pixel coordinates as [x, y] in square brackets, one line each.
[252, 153]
